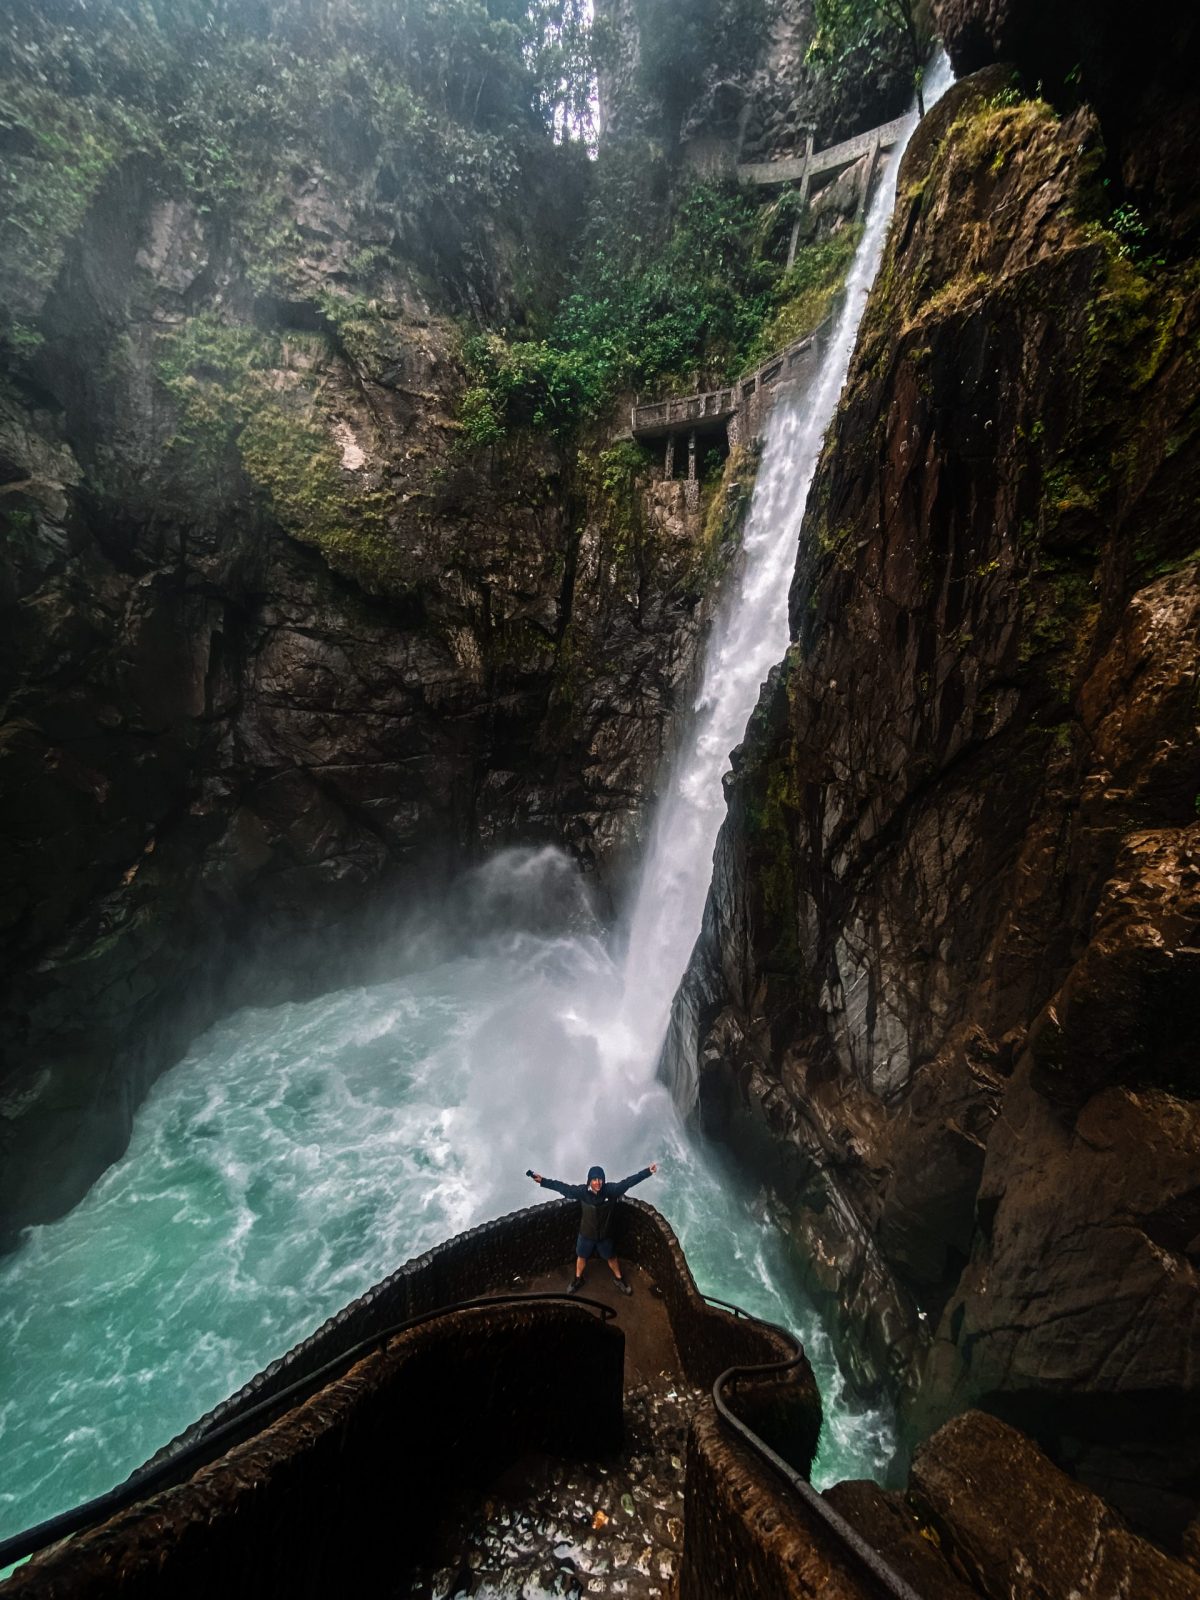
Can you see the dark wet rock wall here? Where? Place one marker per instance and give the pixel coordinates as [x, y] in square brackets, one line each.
[750, 90]
[945, 992]
[985, 1513]
[1138, 74]
[280, 648]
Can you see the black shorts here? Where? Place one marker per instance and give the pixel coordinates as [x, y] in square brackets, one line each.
[602, 1247]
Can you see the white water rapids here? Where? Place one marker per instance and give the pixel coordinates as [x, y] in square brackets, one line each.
[300, 1153]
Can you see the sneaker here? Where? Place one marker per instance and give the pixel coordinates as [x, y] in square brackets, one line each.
[624, 1287]
[575, 1285]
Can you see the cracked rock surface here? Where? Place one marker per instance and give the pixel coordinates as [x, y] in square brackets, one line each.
[947, 992]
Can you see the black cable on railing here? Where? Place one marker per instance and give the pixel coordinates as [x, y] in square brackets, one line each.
[740, 1311]
[193, 1455]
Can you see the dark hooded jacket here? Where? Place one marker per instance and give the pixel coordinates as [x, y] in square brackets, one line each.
[596, 1207]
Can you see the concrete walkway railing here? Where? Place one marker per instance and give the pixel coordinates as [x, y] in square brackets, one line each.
[817, 163]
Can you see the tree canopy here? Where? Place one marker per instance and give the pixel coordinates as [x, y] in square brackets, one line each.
[482, 62]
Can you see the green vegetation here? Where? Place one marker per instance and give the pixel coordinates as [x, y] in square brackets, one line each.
[676, 305]
[805, 294]
[1092, 460]
[1126, 225]
[291, 459]
[431, 108]
[420, 118]
[881, 26]
[245, 401]
[533, 384]
[613, 482]
[434, 100]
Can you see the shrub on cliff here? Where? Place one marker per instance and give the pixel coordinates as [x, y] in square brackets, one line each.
[692, 300]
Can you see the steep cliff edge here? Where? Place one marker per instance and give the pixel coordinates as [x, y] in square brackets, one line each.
[947, 987]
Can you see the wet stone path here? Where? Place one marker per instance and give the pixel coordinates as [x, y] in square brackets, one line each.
[611, 1527]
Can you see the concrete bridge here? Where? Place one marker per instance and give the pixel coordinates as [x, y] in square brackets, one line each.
[736, 412]
[827, 163]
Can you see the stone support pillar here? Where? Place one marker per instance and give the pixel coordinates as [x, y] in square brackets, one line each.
[868, 179]
[691, 492]
[793, 242]
[807, 178]
[669, 463]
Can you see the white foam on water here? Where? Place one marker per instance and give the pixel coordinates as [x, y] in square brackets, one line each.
[300, 1153]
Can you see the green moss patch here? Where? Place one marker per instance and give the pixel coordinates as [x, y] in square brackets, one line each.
[240, 398]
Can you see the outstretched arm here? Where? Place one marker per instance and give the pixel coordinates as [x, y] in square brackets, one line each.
[638, 1177]
[572, 1191]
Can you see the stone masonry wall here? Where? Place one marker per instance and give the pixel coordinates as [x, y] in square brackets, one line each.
[345, 1489]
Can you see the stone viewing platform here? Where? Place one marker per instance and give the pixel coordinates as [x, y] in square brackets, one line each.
[465, 1429]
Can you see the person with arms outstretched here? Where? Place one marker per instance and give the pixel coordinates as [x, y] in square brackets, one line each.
[597, 1202]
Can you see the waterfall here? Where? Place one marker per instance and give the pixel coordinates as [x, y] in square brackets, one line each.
[750, 635]
[300, 1152]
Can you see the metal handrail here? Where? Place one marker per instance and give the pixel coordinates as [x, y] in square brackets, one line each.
[848, 1537]
[148, 1478]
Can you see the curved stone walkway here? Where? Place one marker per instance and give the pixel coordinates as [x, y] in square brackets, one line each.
[610, 1527]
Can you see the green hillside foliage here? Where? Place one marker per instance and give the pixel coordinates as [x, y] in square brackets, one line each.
[677, 286]
[218, 93]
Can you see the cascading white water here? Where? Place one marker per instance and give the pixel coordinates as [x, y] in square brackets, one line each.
[301, 1152]
[749, 638]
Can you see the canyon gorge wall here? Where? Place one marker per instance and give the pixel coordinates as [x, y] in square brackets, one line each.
[280, 644]
[287, 637]
[947, 994]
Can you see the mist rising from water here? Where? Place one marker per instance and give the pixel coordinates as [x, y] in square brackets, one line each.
[301, 1152]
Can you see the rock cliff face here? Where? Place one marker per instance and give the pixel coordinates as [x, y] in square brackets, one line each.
[986, 1514]
[759, 95]
[277, 645]
[947, 989]
[1140, 79]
